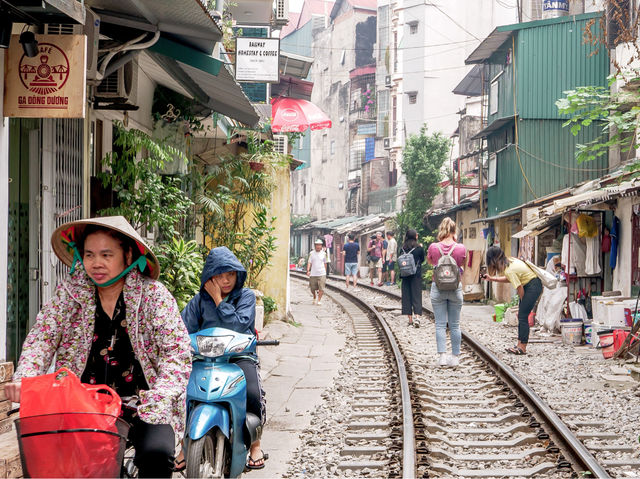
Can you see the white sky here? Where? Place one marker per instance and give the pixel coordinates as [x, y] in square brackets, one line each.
[295, 5]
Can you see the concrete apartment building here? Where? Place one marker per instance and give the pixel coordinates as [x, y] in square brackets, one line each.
[343, 66]
[427, 44]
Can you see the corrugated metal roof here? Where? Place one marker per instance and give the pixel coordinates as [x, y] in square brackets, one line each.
[552, 59]
[493, 127]
[492, 43]
[187, 20]
[541, 218]
[505, 214]
[363, 223]
[488, 47]
[295, 65]
[471, 84]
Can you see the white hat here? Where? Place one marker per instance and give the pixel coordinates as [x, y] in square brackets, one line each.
[64, 238]
[318, 241]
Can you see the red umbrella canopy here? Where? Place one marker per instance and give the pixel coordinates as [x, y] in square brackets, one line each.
[293, 114]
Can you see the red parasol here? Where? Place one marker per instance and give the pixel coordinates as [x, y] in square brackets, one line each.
[293, 114]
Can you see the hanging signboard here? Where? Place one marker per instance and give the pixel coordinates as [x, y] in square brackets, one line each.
[50, 85]
[257, 59]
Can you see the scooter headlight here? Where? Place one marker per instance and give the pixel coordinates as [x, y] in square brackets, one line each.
[212, 346]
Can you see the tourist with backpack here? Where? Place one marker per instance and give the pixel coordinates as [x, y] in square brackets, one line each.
[411, 283]
[447, 256]
[526, 283]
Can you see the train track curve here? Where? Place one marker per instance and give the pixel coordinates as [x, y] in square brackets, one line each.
[490, 422]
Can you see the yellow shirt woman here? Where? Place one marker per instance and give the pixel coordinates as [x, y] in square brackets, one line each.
[518, 273]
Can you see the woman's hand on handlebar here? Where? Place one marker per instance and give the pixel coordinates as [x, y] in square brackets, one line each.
[12, 390]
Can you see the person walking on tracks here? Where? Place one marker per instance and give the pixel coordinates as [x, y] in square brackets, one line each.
[390, 261]
[376, 250]
[526, 283]
[350, 252]
[412, 283]
[317, 271]
[447, 256]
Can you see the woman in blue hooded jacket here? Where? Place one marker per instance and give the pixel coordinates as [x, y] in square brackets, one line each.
[224, 302]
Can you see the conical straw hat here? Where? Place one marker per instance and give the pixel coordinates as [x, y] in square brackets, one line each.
[74, 230]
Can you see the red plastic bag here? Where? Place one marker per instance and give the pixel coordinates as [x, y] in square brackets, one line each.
[62, 392]
[69, 429]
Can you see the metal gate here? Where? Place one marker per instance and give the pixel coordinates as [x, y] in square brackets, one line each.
[62, 190]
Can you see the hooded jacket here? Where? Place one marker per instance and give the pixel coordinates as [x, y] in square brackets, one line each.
[238, 310]
[66, 324]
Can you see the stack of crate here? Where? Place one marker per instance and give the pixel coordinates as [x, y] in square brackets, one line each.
[9, 453]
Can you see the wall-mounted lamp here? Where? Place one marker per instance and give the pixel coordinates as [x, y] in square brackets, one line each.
[29, 43]
[5, 31]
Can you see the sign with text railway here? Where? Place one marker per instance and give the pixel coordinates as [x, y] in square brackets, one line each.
[50, 85]
[257, 59]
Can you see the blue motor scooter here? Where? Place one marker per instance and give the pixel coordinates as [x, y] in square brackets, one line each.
[219, 430]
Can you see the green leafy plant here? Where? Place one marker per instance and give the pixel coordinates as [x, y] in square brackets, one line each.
[423, 158]
[233, 199]
[427, 269]
[618, 115]
[270, 305]
[255, 247]
[180, 266]
[145, 196]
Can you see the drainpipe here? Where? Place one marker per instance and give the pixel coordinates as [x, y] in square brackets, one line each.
[120, 62]
[128, 46]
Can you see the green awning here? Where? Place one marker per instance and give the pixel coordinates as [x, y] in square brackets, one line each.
[206, 79]
[187, 55]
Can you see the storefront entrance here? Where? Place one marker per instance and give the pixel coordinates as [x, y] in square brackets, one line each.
[45, 190]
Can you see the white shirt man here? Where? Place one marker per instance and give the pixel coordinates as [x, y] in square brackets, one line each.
[317, 271]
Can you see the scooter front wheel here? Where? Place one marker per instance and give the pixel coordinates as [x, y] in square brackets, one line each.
[206, 456]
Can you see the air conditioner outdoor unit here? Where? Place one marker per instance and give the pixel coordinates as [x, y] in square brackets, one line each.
[91, 29]
[282, 11]
[386, 143]
[387, 81]
[280, 144]
[121, 85]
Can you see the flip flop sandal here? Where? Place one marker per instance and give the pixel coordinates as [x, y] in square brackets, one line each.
[516, 350]
[180, 466]
[251, 462]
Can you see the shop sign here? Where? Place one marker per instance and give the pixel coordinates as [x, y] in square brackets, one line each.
[257, 59]
[50, 85]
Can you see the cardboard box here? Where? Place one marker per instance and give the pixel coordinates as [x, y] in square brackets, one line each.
[6, 372]
[5, 406]
[6, 425]
[14, 467]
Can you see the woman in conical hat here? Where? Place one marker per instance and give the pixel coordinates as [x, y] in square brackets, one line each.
[111, 322]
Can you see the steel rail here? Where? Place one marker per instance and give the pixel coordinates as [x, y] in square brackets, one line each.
[408, 432]
[572, 448]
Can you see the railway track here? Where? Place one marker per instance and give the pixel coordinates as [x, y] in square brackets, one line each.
[477, 420]
[381, 423]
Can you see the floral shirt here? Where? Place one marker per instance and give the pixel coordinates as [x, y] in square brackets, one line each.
[65, 328]
[112, 360]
